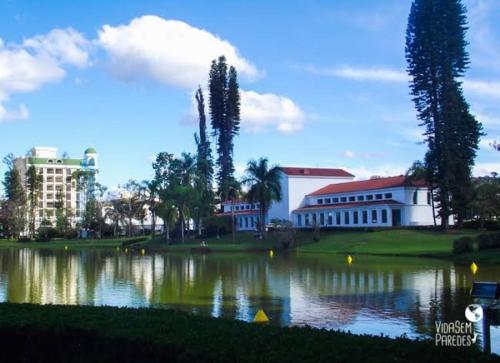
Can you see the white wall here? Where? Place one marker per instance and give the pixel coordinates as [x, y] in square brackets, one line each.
[294, 189]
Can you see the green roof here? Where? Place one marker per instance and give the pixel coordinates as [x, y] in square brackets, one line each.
[90, 150]
[35, 161]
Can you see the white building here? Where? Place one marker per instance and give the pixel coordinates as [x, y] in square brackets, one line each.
[296, 183]
[58, 181]
[329, 198]
[380, 202]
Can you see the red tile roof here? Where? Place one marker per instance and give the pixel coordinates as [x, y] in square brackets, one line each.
[348, 205]
[371, 184]
[296, 171]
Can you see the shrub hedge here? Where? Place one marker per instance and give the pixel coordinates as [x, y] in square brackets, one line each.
[479, 243]
[34, 333]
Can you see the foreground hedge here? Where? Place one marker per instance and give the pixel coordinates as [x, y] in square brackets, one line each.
[32, 333]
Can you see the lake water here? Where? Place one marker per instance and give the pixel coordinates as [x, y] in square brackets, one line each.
[373, 295]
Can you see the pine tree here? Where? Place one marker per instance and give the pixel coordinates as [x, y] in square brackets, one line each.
[225, 114]
[204, 164]
[14, 207]
[437, 59]
[34, 182]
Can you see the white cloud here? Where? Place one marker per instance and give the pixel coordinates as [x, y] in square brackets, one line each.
[260, 111]
[363, 172]
[483, 169]
[349, 154]
[21, 113]
[381, 74]
[484, 88]
[361, 74]
[27, 67]
[67, 46]
[169, 51]
[487, 143]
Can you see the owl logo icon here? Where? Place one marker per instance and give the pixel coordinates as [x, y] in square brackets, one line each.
[474, 313]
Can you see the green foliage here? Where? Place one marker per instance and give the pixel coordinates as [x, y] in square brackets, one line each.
[481, 242]
[106, 334]
[224, 105]
[316, 232]
[34, 182]
[437, 59]
[13, 212]
[485, 205]
[284, 233]
[217, 226]
[462, 245]
[265, 186]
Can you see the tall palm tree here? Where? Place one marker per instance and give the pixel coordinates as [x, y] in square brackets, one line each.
[265, 187]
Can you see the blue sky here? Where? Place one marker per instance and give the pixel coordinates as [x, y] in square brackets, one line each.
[322, 82]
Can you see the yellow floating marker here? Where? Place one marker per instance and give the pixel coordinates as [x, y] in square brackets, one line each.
[349, 259]
[261, 317]
[473, 268]
[143, 251]
[271, 253]
[66, 248]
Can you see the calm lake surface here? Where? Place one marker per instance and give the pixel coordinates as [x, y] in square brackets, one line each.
[374, 295]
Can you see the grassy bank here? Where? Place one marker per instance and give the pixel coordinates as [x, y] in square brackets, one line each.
[61, 244]
[105, 334]
[397, 242]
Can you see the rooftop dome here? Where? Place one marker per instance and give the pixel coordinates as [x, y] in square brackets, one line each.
[90, 150]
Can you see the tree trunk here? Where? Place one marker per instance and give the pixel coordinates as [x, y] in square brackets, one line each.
[182, 229]
[153, 224]
[262, 222]
[199, 226]
[433, 207]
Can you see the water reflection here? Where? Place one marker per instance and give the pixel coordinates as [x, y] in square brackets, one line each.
[373, 295]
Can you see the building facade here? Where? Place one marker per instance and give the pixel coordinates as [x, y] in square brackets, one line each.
[381, 202]
[330, 198]
[58, 181]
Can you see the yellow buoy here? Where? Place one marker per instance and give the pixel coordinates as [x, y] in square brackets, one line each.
[271, 253]
[143, 252]
[349, 259]
[261, 317]
[473, 268]
[66, 248]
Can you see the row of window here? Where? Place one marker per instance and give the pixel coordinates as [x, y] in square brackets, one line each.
[248, 222]
[48, 213]
[342, 218]
[244, 207]
[353, 198]
[58, 171]
[55, 196]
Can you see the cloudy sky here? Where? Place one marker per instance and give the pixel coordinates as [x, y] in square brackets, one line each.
[322, 82]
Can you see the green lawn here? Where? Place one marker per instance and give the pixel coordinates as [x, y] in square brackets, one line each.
[387, 242]
[58, 244]
[36, 333]
[243, 242]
